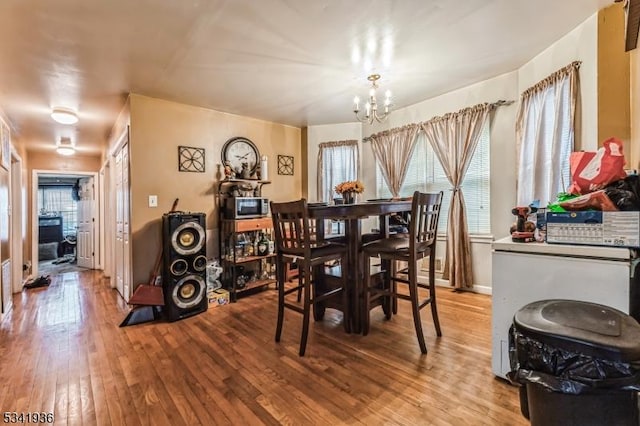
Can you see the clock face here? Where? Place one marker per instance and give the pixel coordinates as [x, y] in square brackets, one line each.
[241, 150]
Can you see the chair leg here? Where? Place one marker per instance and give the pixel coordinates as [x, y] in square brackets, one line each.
[387, 285]
[307, 310]
[366, 295]
[346, 310]
[432, 294]
[281, 274]
[413, 293]
[394, 287]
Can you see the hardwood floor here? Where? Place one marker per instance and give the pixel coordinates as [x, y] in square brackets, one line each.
[62, 351]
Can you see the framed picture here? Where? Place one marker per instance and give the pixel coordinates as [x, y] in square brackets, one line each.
[285, 165]
[5, 146]
[190, 159]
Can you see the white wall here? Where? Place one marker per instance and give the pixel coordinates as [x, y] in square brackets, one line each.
[581, 44]
[326, 133]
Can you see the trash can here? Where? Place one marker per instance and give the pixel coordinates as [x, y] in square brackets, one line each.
[577, 363]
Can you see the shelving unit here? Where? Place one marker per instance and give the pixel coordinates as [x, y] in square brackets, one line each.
[243, 270]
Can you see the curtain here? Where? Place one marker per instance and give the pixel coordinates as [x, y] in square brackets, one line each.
[545, 133]
[337, 162]
[392, 150]
[454, 138]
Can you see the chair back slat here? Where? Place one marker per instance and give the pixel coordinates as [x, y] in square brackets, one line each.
[423, 225]
[291, 226]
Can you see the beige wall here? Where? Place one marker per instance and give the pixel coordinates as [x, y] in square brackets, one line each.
[634, 156]
[158, 127]
[613, 77]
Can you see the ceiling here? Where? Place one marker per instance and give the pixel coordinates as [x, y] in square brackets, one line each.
[296, 62]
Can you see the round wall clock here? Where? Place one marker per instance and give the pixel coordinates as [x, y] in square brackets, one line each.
[241, 150]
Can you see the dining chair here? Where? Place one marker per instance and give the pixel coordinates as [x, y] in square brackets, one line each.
[295, 243]
[419, 243]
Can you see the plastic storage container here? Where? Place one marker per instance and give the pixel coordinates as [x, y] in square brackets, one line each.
[578, 363]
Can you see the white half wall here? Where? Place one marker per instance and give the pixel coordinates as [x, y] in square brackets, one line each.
[326, 133]
[581, 44]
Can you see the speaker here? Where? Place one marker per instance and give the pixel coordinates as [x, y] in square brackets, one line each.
[184, 265]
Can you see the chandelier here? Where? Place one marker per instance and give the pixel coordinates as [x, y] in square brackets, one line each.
[371, 107]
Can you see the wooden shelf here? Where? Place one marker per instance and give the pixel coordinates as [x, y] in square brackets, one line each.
[254, 284]
[248, 259]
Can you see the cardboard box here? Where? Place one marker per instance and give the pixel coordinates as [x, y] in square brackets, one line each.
[218, 297]
[618, 229]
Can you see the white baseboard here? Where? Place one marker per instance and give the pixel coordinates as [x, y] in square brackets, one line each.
[481, 289]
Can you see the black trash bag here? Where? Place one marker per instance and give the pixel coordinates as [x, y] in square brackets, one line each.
[625, 193]
[565, 371]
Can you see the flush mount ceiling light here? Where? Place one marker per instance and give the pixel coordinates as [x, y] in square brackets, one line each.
[65, 147]
[64, 116]
[371, 107]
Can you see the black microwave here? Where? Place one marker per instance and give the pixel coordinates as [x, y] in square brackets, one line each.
[245, 207]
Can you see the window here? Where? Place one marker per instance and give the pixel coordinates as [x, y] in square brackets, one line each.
[545, 123]
[426, 174]
[58, 200]
[337, 162]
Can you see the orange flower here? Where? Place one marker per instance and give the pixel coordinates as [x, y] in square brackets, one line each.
[350, 186]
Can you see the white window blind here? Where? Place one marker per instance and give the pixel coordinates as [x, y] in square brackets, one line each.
[426, 174]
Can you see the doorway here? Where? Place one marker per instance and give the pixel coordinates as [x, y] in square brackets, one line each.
[64, 222]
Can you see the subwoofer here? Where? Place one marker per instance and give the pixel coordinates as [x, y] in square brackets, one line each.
[184, 265]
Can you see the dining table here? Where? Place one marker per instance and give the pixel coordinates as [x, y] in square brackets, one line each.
[353, 216]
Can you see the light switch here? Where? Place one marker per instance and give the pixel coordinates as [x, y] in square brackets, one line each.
[153, 201]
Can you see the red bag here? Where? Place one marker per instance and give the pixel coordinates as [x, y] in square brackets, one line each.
[591, 171]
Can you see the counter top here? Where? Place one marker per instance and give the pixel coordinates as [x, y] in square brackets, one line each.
[506, 244]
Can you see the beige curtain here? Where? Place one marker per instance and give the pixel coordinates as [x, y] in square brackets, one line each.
[454, 138]
[392, 151]
[337, 162]
[545, 133]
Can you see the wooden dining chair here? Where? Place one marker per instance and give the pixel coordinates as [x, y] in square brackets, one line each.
[296, 243]
[419, 243]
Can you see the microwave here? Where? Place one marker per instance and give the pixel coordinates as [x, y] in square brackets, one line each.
[245, 207]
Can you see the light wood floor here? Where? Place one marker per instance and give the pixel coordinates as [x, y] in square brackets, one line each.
[61, 351]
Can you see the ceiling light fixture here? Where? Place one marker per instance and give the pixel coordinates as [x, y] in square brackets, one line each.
[371, 107]
[65, 147]
[64, 116]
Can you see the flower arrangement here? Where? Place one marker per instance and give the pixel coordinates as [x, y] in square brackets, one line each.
[350, 186]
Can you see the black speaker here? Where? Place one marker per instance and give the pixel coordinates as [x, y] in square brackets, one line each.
[184, 268]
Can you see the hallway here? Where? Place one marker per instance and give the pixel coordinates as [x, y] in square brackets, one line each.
[64, 353]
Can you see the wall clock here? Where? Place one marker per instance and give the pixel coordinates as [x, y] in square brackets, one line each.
[240, 150]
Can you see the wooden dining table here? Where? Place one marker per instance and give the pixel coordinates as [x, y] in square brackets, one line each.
[352, 215]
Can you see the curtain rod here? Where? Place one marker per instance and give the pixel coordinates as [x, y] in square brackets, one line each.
[495, 104]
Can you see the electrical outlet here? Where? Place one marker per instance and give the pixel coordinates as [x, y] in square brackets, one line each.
[153, 201]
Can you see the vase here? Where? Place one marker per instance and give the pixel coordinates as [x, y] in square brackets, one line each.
[349, 197]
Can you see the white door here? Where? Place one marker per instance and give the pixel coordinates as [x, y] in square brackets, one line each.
[86, 223]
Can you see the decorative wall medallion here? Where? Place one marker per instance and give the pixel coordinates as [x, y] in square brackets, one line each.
[190, 159]
[285, 165]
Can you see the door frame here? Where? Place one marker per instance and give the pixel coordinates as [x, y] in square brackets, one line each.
[35, 177]
[18, 218]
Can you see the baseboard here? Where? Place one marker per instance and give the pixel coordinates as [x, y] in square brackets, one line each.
[480, 289]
